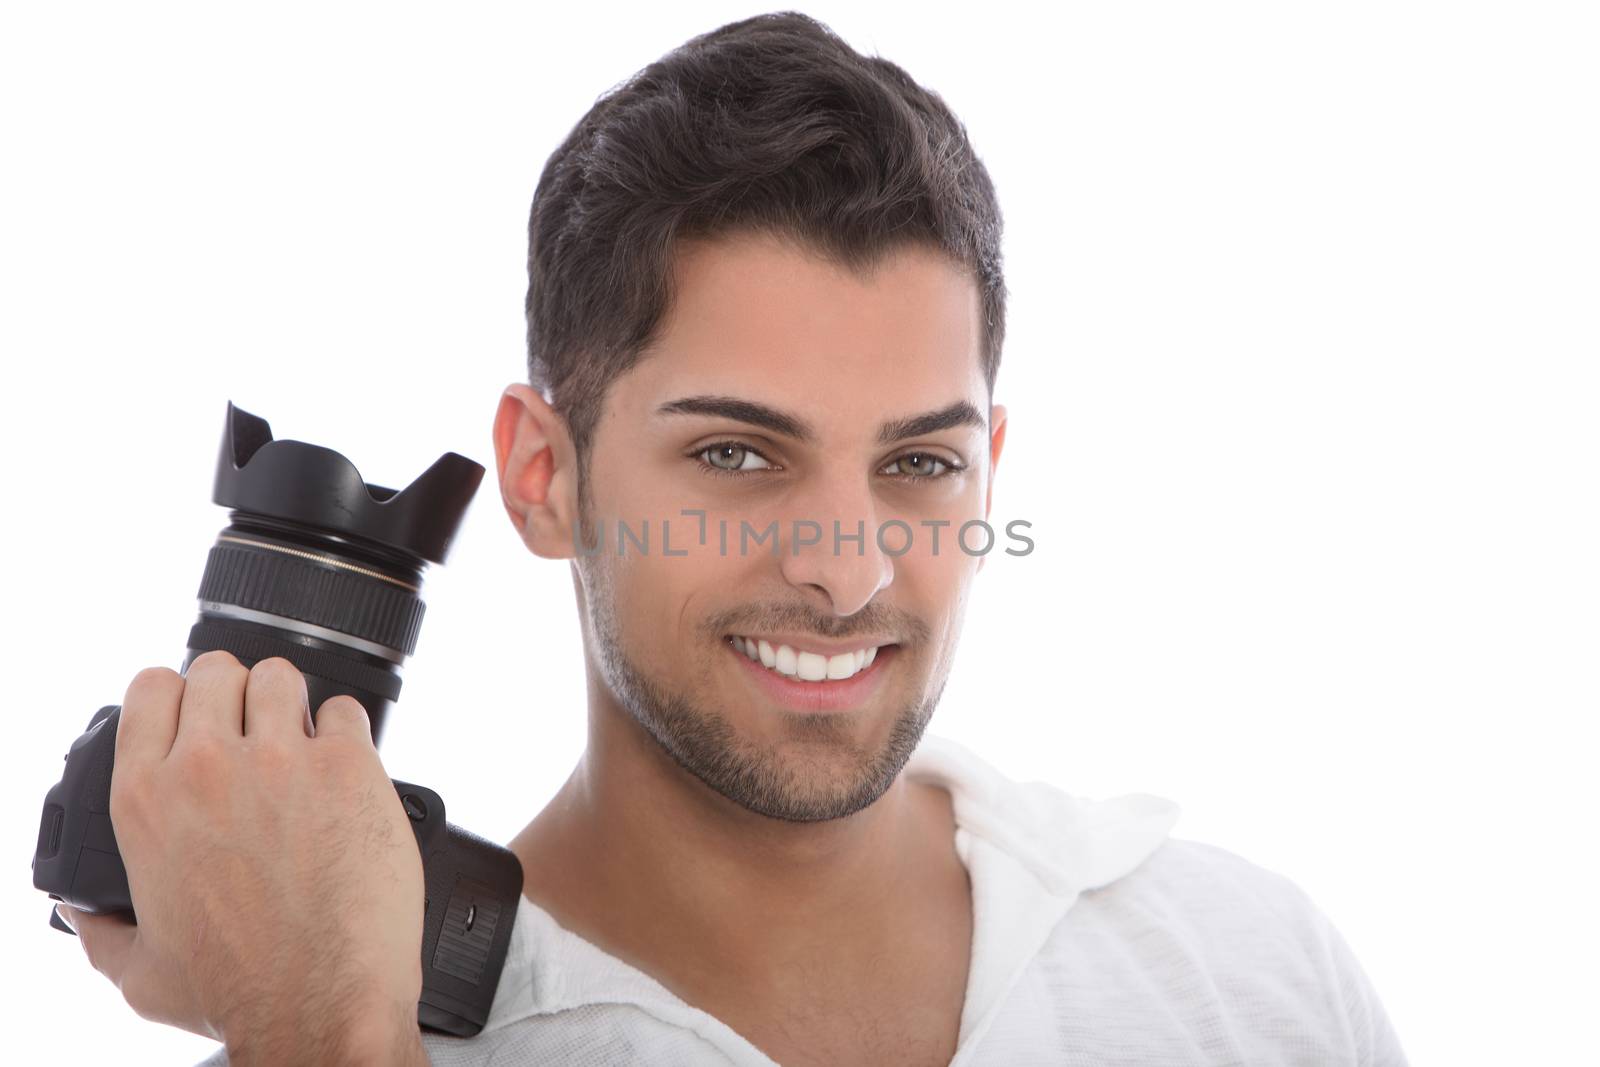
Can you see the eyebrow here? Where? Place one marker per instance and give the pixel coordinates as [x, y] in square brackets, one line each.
[960, 413]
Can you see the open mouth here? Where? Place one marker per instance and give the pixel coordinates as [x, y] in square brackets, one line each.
[802, 665]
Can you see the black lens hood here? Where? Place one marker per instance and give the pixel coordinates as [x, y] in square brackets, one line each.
[309, 485]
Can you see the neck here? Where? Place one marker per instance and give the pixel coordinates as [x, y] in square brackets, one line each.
[639, 856]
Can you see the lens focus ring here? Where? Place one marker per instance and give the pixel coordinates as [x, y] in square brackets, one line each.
[299, 588]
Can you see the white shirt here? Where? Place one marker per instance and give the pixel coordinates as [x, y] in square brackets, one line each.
[1097, 939]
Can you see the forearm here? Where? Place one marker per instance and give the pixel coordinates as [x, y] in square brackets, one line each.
[381, 1038]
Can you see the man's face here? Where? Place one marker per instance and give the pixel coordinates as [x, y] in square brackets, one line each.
[845, 362]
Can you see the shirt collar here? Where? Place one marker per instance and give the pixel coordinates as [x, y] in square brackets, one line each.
[1029, 850]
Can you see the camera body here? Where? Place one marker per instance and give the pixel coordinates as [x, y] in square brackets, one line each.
[322, 569]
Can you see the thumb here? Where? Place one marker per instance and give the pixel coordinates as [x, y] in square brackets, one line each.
[107, 940]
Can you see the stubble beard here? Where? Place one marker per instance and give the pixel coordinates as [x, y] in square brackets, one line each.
[764, 779]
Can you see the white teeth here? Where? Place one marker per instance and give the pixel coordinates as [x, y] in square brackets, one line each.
[806, 666]
[811, 667]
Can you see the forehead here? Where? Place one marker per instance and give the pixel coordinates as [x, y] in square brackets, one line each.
[757, 317]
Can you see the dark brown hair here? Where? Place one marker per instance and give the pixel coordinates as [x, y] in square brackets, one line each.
[769, 124]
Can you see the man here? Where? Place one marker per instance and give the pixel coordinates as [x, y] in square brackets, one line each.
[765, 317]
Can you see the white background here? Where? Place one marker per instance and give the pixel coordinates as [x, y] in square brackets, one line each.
[1301, 371]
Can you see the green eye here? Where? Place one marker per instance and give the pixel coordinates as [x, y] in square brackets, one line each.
[730, 457]
[919, 465]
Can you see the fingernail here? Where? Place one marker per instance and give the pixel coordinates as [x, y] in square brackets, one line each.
[62, 913]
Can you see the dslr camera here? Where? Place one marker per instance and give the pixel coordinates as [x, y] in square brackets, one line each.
[325, 570]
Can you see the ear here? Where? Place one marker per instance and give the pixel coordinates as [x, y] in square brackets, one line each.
[997, 442]
[537, 470]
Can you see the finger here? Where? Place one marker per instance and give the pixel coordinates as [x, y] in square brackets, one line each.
[213, 696]
[107, 940]
[148, 721]
[343, 716]
[275, 701]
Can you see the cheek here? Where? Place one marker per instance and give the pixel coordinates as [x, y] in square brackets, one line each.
[662, 603]
[935, 563]
[934, 589]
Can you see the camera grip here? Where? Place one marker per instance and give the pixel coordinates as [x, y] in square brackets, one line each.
[472, 886]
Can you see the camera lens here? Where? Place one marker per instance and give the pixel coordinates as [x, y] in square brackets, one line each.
[321, 567]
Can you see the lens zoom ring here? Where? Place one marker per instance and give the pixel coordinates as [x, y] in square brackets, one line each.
[263, 580]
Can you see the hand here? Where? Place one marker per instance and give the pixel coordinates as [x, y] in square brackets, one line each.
[272, 868]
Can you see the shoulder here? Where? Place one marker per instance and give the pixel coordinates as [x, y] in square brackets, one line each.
[1214, 910]
[1212, 928]
[1203, 879]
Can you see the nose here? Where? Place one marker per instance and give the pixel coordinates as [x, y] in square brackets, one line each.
[830, 546]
